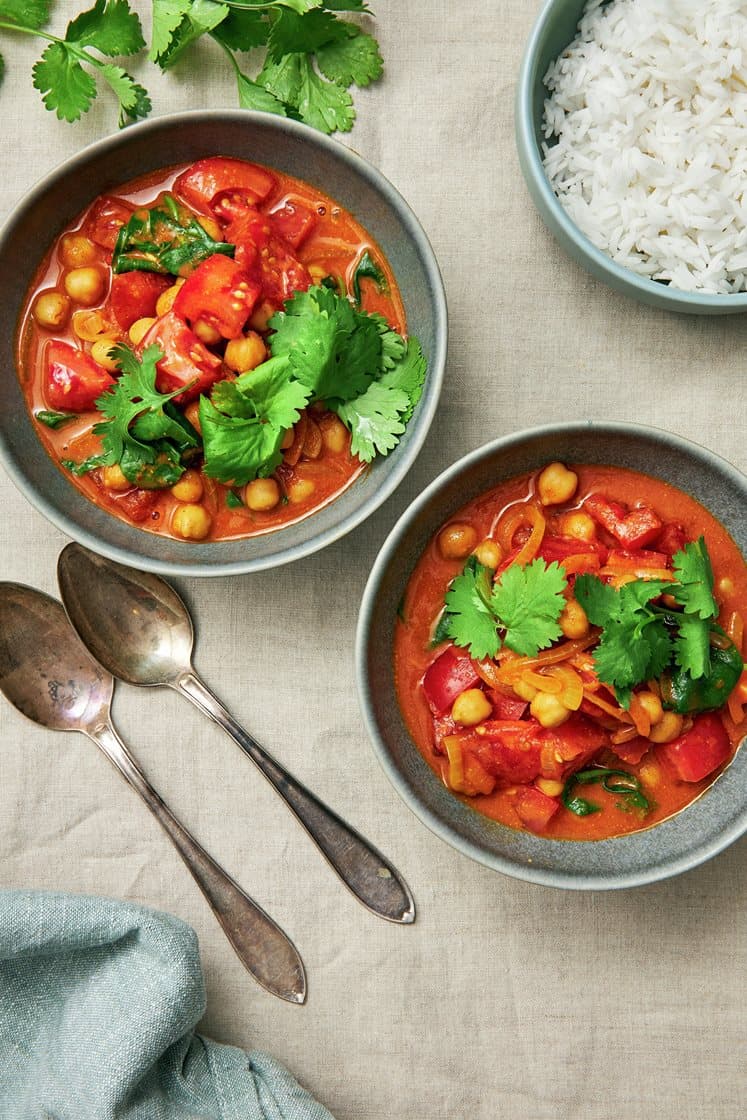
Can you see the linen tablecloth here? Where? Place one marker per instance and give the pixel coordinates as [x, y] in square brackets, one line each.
[504, 999]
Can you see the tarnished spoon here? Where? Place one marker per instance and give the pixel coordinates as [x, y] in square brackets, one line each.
[139, 629]
[48, 675]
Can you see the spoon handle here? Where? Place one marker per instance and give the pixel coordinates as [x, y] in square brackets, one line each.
[370, 877]
[260, 944]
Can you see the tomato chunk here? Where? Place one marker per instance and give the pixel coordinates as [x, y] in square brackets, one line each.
[134, 296]
[632, 528]
[536, 809]
[671, 539]
[570, 746]
[105, 220]
[73, 379]
[700, 751]
[185, 362]
[447, 677]
[220, 292]
[293, 222]
[266, 255]
[202, 184]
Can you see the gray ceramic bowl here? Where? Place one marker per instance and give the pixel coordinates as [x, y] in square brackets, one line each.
[705, 827]
[180, 138]
[554, 30]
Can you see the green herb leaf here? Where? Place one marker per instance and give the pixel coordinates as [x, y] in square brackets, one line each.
[26, 13]
[164, 241]
[322, 104]
[134, 103]
[268, 391]
[692, 650]
[471, 619]
[54, 419]
[238, 449]
[243, 29]
[528, 601]
[252, 95]
[67, 89]
[233, 501]
[303, 34]
[613, 781]
[110, 27]
[367, 268]
[167, 16]
[692, 566]
[355, 58]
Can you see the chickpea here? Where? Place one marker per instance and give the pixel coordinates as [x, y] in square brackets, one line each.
[489, 553]
[524, 690]
[725, 587]
[456, 541]
[100, 353]
[114, 478]
[211, 227]
[192, 522]
[189, 488]
[261, 315]
[573, 621]
[549, 786]
[139, 329]
[334, 434]
[77, 251]
[556, 484]
[192, 413]
[669, 727]
[650, 774]
[578, 525]
[548, 710]
[471, 707]
[206, 332]
[651, 705]
[166, 299]
[300, 489]
[262, 494]
[51, 309]
[85, 285]
[246, 353]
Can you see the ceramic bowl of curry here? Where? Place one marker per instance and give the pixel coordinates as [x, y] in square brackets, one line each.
[163, 260]
[527, 664]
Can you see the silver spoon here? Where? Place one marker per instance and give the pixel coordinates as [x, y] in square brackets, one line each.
[139, 629]
[49, 676]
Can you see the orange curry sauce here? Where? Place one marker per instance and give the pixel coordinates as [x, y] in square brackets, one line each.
[313, 471]
[424, 601]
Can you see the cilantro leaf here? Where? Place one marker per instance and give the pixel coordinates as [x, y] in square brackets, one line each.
[471, 621]
[109, 26]
[692, 647]
[692, 566]
[367, 268]
[598, 599]
[374, 420]
[355, 58]
[54, 419]
[266, 392]
[528, 601]
[26, 13]
[238, 449]
[407, 373]
[303, 34]
[252, 95]
[200, 18]
[322, 104]
[283, 78]
[134, 103]
[66, 87]
[167, 16]
[242, 30]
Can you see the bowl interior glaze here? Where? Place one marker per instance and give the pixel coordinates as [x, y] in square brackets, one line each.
[554, 29]
[65, 193]
[700, 831]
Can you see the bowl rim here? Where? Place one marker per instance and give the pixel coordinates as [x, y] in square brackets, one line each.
[567, 880]
[557, 218]
[436, 360]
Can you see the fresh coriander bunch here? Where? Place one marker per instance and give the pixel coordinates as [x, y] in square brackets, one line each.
[305, 56]
[66, 74]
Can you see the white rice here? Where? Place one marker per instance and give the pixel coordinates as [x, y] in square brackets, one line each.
[646, 137]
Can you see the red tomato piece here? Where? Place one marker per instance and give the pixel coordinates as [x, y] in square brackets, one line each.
[74, 380]
[637, 558]
[570, 746]
[259, 250]
[220, 292]
[105, 220]
[671, 539]
[536, 809]
[632, 528]
[185, 361]
[513, 759]
[134, 296]
[507, 707]
[138, 504]
[700, 751]
[202, 184]
[446, 678]
[293, 222]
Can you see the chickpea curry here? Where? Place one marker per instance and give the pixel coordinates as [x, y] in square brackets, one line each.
[216, 351]
[568, 656]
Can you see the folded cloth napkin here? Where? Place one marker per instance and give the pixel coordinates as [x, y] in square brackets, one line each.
[98, 1004]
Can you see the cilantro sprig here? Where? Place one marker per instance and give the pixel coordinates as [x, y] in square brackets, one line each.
[312, 56]
[520, 610]
[141, 431]
[66, 73]
[641, 640]
[323, 349]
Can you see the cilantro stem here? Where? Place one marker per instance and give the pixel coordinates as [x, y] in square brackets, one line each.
[5, 26]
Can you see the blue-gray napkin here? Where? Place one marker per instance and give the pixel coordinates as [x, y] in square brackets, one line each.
[98, 1004]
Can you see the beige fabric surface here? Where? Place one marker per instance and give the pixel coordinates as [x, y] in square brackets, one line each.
[505, 999]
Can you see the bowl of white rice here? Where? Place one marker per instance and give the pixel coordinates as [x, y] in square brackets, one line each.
[631, 124]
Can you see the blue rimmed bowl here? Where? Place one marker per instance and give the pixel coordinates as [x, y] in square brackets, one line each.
[181, 138]
[553, 31]
[698, 832]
